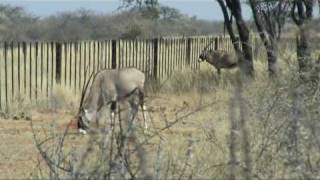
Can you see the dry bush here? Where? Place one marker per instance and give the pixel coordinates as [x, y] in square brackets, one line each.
[121, 151]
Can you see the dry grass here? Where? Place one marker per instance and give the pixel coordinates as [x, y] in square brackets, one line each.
[19, 155]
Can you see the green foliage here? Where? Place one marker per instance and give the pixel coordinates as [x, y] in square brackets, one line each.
[16, 24]
[145, 21]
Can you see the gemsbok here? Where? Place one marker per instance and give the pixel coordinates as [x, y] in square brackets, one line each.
[219, 59]
[107, 88]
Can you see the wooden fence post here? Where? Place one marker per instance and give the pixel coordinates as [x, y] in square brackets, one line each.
[12, 71]
[36, 68]
[188, 51]
[58, 62]
[114, 54]
[6, 74]
[24, 51]
[216, 43]
[155, 58]
[0, 89]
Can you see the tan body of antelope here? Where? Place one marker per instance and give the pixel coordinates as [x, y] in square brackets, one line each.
[109, 87]
[219, 59]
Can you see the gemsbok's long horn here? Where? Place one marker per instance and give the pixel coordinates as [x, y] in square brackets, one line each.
[85, 87]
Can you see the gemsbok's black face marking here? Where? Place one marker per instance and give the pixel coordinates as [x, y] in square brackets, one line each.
[203, 55]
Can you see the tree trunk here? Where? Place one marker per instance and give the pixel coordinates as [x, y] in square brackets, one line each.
[272, 55]
[269, 29]
[245, 54]
[302, 19]
[246, 64]
[303, 51]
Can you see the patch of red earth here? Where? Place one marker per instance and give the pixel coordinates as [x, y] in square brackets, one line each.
[10, 126]
[18, 154]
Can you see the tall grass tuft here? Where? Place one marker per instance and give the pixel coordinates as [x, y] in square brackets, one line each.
[61, 99]
[203, 81]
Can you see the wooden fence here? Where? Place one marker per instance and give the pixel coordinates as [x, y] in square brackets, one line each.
[29, 70]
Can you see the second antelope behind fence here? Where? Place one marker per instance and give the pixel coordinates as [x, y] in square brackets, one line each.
[219, 59]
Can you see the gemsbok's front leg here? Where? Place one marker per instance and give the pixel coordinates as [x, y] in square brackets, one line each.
[143, 109]
[113, 108]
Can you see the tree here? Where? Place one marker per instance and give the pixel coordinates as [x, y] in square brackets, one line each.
[170, 14]
[269, 17]
[230, 9]
[148, 8]
[14, 21]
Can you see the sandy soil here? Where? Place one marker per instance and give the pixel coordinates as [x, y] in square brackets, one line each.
[19, 157]
[18, 154]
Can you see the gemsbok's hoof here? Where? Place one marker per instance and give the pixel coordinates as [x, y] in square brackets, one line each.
[82, 131]
[144, 108]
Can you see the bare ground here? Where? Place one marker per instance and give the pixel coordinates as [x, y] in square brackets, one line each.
[19, 157]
